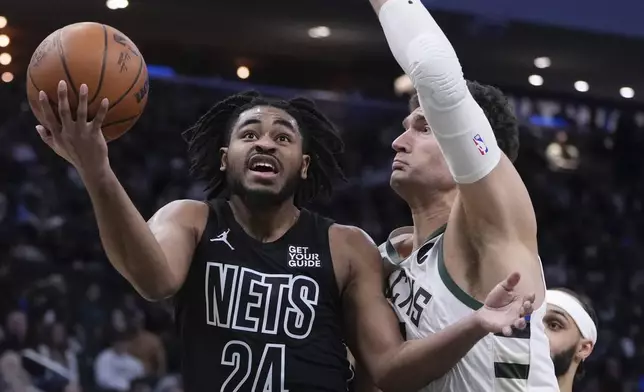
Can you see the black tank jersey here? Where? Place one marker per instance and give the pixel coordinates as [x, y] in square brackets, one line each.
[255, 316]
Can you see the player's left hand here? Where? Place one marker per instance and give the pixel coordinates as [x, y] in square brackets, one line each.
[504, 308]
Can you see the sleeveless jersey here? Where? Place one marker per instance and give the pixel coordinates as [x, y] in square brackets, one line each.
[255, 316]
[427, 300]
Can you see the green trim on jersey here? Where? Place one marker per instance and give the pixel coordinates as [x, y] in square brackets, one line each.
[458, 292]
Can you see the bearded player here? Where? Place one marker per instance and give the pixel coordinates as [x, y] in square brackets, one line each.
[266, 291]
[473, 218]
[571, 326]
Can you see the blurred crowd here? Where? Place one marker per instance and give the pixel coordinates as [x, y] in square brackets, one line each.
[69, 323]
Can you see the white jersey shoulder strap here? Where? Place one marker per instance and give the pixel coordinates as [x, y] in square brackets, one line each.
[388, 249]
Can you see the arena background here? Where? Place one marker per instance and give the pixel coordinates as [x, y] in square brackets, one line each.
[580, 155]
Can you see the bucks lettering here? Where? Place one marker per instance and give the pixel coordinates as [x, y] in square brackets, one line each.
[243, 299]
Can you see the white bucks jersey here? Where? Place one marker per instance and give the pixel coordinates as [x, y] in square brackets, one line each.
[427, 300]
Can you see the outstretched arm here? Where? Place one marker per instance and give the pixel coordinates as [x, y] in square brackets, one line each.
[373, 330]
[493, 200]
[154, 258]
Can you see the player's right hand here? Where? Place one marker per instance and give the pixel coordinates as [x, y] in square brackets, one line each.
[504, 308]
[79, 142]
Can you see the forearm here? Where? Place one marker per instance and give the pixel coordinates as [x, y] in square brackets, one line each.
[419, 362]
[459, 124]
[128, 242]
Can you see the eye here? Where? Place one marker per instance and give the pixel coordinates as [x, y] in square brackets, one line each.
[248, 135]
[426, 129]
[554, 325]
[283, 138]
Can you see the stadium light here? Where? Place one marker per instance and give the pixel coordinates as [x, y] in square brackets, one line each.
[3, 22]
[535, 80]
[627, 92]
[5, 59]
[319, 32]
[581, 86]
[7, 77]
[403, 85]
[4, 40]
[117, 4]
[243, 72]
[542, 62]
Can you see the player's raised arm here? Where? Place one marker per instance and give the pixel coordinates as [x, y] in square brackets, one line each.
[373, 331]
[494, 201]
[155, 259]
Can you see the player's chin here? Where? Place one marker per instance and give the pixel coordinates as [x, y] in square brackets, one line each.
[398, 178]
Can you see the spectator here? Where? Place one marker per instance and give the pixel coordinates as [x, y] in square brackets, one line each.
[115, 369]
[147, 347]
[58, 348]
[13, 377]
[15, 334]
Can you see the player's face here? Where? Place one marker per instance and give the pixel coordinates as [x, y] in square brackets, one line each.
[564, 337]
[264, 162]
[419, 163]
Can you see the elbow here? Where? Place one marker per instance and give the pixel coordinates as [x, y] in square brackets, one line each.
[156, 294]
[387, 379]
[156, 291]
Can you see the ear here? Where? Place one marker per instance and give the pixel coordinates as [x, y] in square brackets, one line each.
[584, 350]
[224, 158]
[304, 170]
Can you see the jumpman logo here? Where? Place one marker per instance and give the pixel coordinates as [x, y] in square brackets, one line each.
[223, 237]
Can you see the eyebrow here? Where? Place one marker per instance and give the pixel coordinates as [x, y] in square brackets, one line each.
[279, 121]
[560, 313]
[412, 118]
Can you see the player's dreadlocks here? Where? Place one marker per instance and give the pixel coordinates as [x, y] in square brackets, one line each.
[321, 141]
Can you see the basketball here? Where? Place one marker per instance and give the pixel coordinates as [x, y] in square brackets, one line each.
[101, 57]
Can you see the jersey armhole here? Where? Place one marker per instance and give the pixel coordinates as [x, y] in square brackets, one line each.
[447, 280]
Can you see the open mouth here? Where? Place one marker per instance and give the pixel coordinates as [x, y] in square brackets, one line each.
[263, 164]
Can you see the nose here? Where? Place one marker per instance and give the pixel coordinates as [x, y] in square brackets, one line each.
[400, 144]
[265, 145]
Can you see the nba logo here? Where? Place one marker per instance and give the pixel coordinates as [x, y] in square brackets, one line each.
[480, 144]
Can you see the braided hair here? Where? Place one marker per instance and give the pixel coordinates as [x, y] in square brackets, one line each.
[321, 141]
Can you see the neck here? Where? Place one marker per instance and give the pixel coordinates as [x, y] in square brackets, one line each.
[429, 214]
[566, 381]
[267, 225]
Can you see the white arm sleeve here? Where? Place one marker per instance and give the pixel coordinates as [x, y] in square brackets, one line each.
[424, 52]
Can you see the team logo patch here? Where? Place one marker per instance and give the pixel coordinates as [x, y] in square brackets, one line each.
[480, 144]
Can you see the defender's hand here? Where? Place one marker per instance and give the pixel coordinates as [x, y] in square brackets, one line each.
[504, 308]
[79, 142]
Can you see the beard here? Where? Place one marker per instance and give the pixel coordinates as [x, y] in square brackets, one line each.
[258, 199]
[563, 360]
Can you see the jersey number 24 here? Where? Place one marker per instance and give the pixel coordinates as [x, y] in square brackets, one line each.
[270, 372]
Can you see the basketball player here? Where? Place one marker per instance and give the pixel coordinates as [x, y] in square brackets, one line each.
[262, 287]
[571, 326]
[473, 218]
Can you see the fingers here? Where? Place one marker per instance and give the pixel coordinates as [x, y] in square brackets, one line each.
[63, 106]
[50, 118]
[100, 115]
[507, 330]
[81, 111]
[527, 308]
[520, 323]
[511, 281]
[45, 135]
[531, 298]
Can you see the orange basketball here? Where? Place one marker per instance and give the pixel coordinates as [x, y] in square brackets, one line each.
[99, 56]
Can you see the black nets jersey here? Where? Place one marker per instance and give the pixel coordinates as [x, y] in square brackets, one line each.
[256, 316]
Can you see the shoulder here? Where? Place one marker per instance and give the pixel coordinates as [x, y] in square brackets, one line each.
[179, 209]
[350, 236]
[353, 245]
[182, 212]
[181, 216]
